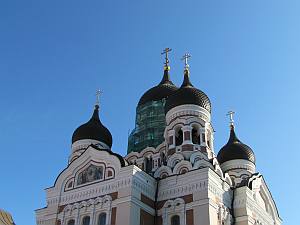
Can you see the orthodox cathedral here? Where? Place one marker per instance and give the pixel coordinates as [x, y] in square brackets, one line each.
[171, 174]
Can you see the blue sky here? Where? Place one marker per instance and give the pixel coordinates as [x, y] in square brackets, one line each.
[55, 54]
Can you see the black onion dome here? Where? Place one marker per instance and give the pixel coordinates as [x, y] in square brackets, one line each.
[164, 89]
[188, 94]
[235, 149]
[94, 130]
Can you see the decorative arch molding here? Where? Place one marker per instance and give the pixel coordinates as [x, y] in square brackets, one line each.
[162, 147]
[182, 164]
[163, 170]
[92, 153]
[203, 164]
[228, 179]
[195, 121]
[258, 186]
[149, 151]
[196, 156]
[187, 110]
[91, 208]
[176, 123]
[172, 208]
[132, 157]
[174, 159]
[217, 168]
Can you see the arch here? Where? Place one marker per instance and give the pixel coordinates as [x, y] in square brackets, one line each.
[102, 219]
[203, 164]
[175, 220]
[182, 164]
[174, 159]
[163, 158]
[148, 151]
[148, 164]
[178, 136]
[195, 134]
[196, 156]
[86, 220]
[163, 170]
[71, 222]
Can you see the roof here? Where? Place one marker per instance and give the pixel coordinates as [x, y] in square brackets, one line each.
[93, 129]
[161, 91]
[188, 94]
[235, 149]
[6, 218]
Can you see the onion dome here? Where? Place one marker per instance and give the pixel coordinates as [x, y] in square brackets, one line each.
[161, 91]
[235, 149]
[188, 94]
[93, 130]
[6, 218]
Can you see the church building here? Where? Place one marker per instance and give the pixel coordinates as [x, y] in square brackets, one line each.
[171, 174]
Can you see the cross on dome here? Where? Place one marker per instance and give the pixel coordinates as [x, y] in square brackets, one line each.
[165, 52]
[185, 58]
[98, 94]
[230, 114]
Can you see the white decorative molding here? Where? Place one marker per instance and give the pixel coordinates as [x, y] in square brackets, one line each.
[191, 110]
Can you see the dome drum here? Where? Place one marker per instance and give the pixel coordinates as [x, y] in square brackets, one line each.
[188, 110]
[238, 164]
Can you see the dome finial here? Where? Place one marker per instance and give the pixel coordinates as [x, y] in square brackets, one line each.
[98, 94]
[185, 58]
[186, 79]
[165, 52]
[231, 121]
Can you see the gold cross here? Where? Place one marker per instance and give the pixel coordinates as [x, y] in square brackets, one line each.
[165, 52]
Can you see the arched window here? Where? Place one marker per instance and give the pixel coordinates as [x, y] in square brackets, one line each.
[148, 165]
[71, 222]
[175, 220]
[86, 220]
[195, 136]
[163, 159]
[102, 219]
[179, 137]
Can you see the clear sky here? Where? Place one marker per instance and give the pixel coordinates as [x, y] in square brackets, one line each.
[55, 54]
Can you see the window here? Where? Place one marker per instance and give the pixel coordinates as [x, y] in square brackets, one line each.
[148, 165]
[86, 220]
[71, 222]
[171, 140]
[195, 137]
[163, 159]
[175, 220]
[102, 219]
[179, 138]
